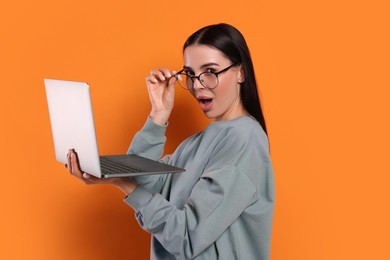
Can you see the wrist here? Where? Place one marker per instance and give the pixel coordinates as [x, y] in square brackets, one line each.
[160, 118]
[127, 187]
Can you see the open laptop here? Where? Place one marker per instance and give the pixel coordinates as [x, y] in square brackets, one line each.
[73, 126]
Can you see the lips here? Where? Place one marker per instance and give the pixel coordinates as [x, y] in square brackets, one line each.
[205, 103]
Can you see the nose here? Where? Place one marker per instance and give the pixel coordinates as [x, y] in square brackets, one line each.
[197, 84]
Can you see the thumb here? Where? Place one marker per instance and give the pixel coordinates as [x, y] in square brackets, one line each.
[171, 83]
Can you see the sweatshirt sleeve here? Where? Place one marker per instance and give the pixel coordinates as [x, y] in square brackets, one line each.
[149, 143]
[216, 201]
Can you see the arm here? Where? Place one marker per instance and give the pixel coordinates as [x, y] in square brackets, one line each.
[150, 141]
[161, 88]
[216, 201]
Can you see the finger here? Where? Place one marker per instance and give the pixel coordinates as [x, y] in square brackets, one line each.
[151, 78]
[69, 164]
[172, 81]
[171, 85]
[78, 162]
[174, 73]
[158, 74]
[75, 164]
[90, 177]
[167, 73]
[87, 178]
[177, 76]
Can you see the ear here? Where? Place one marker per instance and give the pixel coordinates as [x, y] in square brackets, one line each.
[240, 74]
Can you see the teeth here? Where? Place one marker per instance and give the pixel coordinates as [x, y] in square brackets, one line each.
[205, 101]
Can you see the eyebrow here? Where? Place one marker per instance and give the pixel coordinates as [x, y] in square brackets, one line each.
[203, 66]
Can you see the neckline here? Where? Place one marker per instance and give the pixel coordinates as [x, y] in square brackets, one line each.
[239, 118]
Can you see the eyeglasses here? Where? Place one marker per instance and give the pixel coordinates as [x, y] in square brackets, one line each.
[207, 79]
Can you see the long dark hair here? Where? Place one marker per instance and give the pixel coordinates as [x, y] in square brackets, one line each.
[231, 42]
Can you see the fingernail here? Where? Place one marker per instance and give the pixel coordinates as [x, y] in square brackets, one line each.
[85, 175]
[169, 75]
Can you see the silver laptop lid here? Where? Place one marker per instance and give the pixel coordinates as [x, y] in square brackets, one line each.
[72, 123]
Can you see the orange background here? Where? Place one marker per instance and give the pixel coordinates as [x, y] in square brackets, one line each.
[323, 70]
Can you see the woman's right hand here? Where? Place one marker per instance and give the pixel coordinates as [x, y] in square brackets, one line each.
[161, 88]
[125, 184]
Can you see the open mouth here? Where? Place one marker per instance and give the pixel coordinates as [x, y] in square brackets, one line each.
[205, 101]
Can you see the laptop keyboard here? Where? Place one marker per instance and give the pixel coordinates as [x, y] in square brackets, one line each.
[109, 167]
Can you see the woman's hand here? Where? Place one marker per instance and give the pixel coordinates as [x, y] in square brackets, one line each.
[161, 87]
[126, 185]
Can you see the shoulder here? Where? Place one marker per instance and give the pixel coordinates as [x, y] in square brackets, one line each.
[243, 145]
[243, 131]
[238, 140]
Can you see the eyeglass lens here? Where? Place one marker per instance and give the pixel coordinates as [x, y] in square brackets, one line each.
[208, 80]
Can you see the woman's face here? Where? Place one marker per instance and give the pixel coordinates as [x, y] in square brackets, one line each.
[222, 102]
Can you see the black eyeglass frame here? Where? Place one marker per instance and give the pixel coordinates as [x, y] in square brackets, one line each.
[182, 72]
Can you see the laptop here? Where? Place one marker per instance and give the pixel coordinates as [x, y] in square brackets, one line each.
[72, 126]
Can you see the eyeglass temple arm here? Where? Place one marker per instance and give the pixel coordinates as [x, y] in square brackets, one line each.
[177, 75]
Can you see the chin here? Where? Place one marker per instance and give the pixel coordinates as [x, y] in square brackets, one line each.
[212, 116]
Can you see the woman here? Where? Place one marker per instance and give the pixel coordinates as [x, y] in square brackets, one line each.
[222, 206]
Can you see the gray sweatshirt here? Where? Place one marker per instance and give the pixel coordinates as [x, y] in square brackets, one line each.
[221, 207]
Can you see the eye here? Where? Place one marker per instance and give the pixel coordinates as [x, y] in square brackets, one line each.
[210, 70]
[189, 73]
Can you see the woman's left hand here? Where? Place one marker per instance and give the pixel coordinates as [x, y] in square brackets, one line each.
[127, 185]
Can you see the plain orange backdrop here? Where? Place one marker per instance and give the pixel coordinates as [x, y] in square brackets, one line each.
[323, 72]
